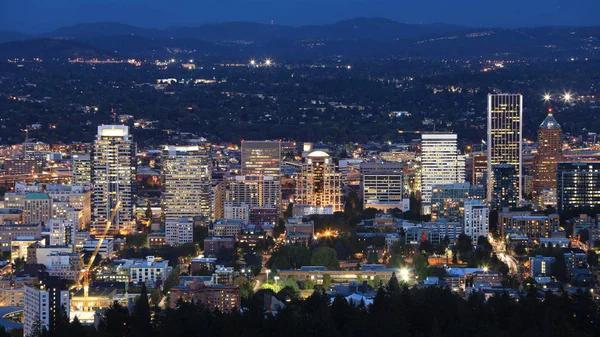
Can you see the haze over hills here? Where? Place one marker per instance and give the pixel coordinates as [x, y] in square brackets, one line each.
[360, 37]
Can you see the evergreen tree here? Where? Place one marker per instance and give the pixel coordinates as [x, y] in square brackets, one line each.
[141, 315]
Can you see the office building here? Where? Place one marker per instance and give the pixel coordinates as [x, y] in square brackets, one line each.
[11, 232]
[447, 201]
[261, 158]
[549, 154]
[440, 164]
[577, 185]
[382, 184]
[297, 231]
[113, 179]
[187, 182]
[477, 219]
[226, 227]
[37, 208]
[213, 244]
[82, 169]
[505, 137]
[43, 304]
[505, 186]
[319, 184]
[179, 232]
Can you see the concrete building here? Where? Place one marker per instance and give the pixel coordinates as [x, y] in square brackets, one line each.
[37, 208]
[505, 137]
[258, 191]
[65, 266]
[541, 266]
[440, 164]
[477, 219]
[106, 250]
[113, 178]
[82, 169]
[62, 232]
[142, 271]
[236, 211]
[226, 227]
[434, 232]
[187, 181]
[8, 233]
[179, 232]
[319, 183]
[42, 306]
[299, 232]
[577, 185]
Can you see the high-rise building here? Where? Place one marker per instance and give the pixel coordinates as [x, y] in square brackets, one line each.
[62, 232]
[549, 154]
[382, 185]
[258, 190]
[577, 185]
[187, 182]
[113, 178]
[505, 137]
[319, 185]
[43, 304]
[505, 186]
[441, 163]
[261, 158]
[82, 169]
[477, 219]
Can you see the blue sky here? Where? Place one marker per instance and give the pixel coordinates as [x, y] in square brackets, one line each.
[45, 15]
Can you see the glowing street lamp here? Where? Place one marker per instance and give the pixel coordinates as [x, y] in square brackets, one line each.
[547, 97]
[253, 62]
[268, 62]
[567, 97]
[404, 274]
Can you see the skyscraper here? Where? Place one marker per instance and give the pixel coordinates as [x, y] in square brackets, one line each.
[42, 305]
[113, 178]
[187, 181]
[319, 185]
[504, 187]
[549, 154]
[440, 164]
[261, 158]
[577, 185]
[505, 136]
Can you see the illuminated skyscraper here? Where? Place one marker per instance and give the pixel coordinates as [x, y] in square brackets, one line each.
[187, 182]
[440, 164]
[113, 178]
[505, 136]
[319, 185]
[549, 154]
[261, 158]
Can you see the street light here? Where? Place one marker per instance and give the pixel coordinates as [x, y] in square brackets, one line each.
[567, 97]
[547, 97]
[276, 278]
[268, 62]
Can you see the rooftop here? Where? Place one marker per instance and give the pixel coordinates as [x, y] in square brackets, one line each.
[550, 123]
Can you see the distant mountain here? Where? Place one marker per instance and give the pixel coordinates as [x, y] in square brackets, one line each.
[6, 36]
[51, 49]
[360, 37]
[98, 29]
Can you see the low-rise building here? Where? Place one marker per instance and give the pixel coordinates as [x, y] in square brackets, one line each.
[226, 227]
[11, 232]
[142, 271]
[179, 232]
[541, 266]
[221, 297]
[106, 248]
[299, 232]
[212, 244]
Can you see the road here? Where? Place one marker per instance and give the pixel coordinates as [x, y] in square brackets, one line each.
[500, 251]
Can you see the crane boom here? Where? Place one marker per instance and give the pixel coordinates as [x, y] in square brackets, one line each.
[88, 267]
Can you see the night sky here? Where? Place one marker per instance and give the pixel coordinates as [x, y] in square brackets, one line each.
[44, 15]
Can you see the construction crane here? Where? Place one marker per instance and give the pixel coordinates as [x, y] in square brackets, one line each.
[85, 272]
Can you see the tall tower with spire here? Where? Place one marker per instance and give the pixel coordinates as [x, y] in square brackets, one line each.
[549, 153]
